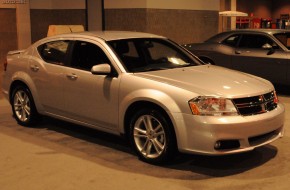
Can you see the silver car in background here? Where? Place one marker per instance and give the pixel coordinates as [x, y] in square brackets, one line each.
[261, 52]
[146, 88]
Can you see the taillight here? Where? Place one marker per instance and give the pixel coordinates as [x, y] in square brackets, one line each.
[5, 65]
[276, 100]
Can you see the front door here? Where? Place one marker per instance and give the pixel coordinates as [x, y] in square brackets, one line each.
[92, 99]
[251, 57]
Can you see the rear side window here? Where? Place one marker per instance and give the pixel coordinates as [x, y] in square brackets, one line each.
[54, 52]
[231, 41]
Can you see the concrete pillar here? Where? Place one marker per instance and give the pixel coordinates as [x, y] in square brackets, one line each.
[23, 25]
[233, 19]
[94, 14]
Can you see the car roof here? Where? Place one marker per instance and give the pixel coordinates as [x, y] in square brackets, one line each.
[221, 36]
[108, 35]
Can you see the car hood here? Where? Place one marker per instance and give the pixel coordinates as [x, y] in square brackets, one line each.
[211, 81]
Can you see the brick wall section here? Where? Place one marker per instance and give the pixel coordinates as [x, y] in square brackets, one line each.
[8, 34]
[126, 19]
[182, 26]
[41, 19]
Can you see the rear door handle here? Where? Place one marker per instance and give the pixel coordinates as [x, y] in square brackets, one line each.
[72, 76]
[34, 68]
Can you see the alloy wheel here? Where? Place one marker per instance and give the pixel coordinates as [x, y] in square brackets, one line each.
[149, 136]
[22, 106]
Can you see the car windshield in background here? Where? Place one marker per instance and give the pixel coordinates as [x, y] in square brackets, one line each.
[141, 55]
[284, 38]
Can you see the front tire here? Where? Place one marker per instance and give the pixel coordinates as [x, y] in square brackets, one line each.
[23, 107]
[152, 136]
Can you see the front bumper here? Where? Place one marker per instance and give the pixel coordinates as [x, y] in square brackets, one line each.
[234, 134]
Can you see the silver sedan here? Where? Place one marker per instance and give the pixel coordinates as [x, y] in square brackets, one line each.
[146, 88]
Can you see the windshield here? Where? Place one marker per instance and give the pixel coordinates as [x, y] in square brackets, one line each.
[284, 38]
[140, 55]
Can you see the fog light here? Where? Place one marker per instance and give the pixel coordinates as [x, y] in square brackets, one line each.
[217, 145]
[227, 144]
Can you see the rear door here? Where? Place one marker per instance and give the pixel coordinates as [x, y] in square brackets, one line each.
[46, 69]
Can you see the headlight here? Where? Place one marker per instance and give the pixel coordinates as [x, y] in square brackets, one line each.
[212, 106]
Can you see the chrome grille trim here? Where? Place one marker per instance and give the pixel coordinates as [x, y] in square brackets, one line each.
[256, 104]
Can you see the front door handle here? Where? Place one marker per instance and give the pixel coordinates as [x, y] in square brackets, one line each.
[72, 76]
[238, 52]
[34, 68]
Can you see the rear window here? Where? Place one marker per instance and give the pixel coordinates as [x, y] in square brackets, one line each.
[284, 38]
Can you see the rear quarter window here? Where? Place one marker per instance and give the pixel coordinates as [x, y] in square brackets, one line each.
[232, 40]
[54, 52]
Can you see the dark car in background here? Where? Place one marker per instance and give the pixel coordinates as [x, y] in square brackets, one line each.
[262, 52]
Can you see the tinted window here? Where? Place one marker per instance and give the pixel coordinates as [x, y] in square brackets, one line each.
[232, 40]
[139, 55]
[54, 52]
[255, 41]
[85, 55]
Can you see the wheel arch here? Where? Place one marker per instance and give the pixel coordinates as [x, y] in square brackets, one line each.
[139, 105]
[28, 83]
[13, 85]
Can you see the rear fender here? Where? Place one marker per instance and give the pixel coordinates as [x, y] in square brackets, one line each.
[23, 77]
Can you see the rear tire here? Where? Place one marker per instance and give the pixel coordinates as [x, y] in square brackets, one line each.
[152, 136]
[23, 106]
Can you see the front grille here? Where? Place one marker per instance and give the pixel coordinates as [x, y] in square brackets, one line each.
[256, 104]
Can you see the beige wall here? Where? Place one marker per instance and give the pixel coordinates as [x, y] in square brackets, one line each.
[119, 4]
[57, 4]
[23, 25]
[163, 4]
[7, 6]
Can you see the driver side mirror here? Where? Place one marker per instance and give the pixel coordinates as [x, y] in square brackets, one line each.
[101, 69]
[268, 47]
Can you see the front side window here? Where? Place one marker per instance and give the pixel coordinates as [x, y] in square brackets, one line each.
[85, 55]
[255, 41]
[54, 52]
[140, 55]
